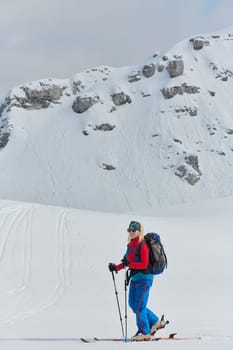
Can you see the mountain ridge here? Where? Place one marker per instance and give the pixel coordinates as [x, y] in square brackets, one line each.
[128, 139]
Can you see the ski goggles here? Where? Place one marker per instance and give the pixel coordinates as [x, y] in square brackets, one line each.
[134, 226]
[131, 230]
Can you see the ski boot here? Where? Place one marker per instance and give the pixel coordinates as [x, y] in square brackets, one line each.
[141, 337]
[159, 325]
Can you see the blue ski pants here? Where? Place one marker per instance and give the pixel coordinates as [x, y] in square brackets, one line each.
[138, 298]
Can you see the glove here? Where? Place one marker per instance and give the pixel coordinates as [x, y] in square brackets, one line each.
[125, 261]
[112, 267]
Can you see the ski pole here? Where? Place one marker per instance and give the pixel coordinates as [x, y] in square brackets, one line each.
[118, 304]
[126, 314]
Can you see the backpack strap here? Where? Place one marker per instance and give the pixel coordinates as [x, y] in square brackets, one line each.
[139, 249]
[148, 269]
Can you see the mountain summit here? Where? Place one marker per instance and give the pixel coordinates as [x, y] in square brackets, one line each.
[128, 139]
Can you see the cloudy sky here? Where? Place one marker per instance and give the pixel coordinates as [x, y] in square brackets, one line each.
[58, 38]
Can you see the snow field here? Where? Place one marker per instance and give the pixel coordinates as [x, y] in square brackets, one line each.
[55, 282]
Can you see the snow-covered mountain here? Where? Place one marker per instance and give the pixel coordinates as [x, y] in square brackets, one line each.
[125, 139]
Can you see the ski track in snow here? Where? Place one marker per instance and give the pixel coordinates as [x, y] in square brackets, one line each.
[51, 180]
[27, 252]
[7, 227]
[10, 225]
[63, 260]
[63, 255]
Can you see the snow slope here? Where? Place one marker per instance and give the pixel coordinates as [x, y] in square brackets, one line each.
[55, 282]
[144, 137]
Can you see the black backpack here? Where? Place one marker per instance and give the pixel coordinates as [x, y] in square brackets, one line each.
[157, 256]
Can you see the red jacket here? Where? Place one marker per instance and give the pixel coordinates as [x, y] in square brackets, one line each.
[131, 256]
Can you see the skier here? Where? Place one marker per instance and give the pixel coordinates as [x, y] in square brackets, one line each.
[137, 260]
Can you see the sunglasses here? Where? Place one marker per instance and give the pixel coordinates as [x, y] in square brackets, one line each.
[131, 230]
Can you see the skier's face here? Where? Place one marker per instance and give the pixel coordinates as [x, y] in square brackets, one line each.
[133, 234]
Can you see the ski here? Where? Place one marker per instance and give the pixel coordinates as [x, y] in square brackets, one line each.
[170, 337]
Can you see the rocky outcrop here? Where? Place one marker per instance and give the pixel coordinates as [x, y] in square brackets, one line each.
[180, 90]
[189, 170]
[104, 127]
[4, 105]
[192, 111]
[38, 98]
[199, 42]
[175, 68]
[224, 75]
[4, 135]
[77, 87]
[4, 131]
[4, 124]
[135, 76]
[212, 129]
[82, 104]
[121, 98]
[221, 73]
[108, 166]
[212, 93]
[160, 68]
[148, 70]
[192, 160]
